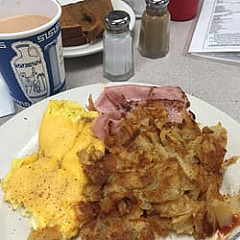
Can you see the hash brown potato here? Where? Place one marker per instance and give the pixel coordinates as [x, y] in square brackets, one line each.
[157, 178]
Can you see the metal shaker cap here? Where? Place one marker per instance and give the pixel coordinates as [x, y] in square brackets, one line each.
[157, 3]
[117, 20]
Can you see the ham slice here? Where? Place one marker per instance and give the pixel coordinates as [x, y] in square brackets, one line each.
[117, 101]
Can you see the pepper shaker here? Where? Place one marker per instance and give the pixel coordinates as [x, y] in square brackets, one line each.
[154, 32]
[117, 47]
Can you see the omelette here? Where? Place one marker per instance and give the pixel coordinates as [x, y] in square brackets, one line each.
[48, 185]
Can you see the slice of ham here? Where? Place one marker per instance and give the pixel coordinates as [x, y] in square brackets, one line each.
[117, 101]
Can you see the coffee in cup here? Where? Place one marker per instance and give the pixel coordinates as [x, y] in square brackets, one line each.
[21, 23]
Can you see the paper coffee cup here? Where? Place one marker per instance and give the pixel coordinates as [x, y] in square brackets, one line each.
[31, 61]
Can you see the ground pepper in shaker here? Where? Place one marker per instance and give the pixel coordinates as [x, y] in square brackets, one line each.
[117, 47]
[154, 32]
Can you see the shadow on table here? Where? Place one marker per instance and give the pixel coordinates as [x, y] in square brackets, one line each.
[82, 63]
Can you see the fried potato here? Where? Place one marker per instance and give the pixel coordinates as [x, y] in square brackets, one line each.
[159, 177]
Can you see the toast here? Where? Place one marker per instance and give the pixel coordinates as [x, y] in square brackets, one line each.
[83, 22]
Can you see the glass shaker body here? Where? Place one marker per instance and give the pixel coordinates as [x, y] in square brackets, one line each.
[154, 33]
[118, 53]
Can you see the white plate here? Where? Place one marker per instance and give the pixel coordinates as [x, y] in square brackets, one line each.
[97, 46]
[18, 137]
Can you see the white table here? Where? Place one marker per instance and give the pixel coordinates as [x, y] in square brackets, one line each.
[213, 81]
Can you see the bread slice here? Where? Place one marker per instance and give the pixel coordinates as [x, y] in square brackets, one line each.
[83, 22]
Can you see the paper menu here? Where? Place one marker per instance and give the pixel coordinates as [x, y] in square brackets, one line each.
[217, 33]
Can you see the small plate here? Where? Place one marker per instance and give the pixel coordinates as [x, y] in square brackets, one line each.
[96, 46]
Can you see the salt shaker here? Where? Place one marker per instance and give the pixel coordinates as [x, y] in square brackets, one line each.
[117, 47]
[154, 32]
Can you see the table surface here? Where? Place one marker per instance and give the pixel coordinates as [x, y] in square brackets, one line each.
[214, 81]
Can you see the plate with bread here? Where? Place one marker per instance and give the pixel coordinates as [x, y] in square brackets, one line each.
[82, 24]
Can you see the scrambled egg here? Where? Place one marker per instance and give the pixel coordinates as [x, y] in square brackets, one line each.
[48, 184]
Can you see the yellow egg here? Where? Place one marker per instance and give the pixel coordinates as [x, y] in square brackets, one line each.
[49, 184]
[61, 124]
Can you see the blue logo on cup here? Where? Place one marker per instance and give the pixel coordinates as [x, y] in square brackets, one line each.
[30, 70]
[33, 67]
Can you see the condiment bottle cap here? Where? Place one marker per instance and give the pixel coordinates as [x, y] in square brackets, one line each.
[157, 3]
[117, 20]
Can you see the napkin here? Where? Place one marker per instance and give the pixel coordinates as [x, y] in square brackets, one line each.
[6, 101]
